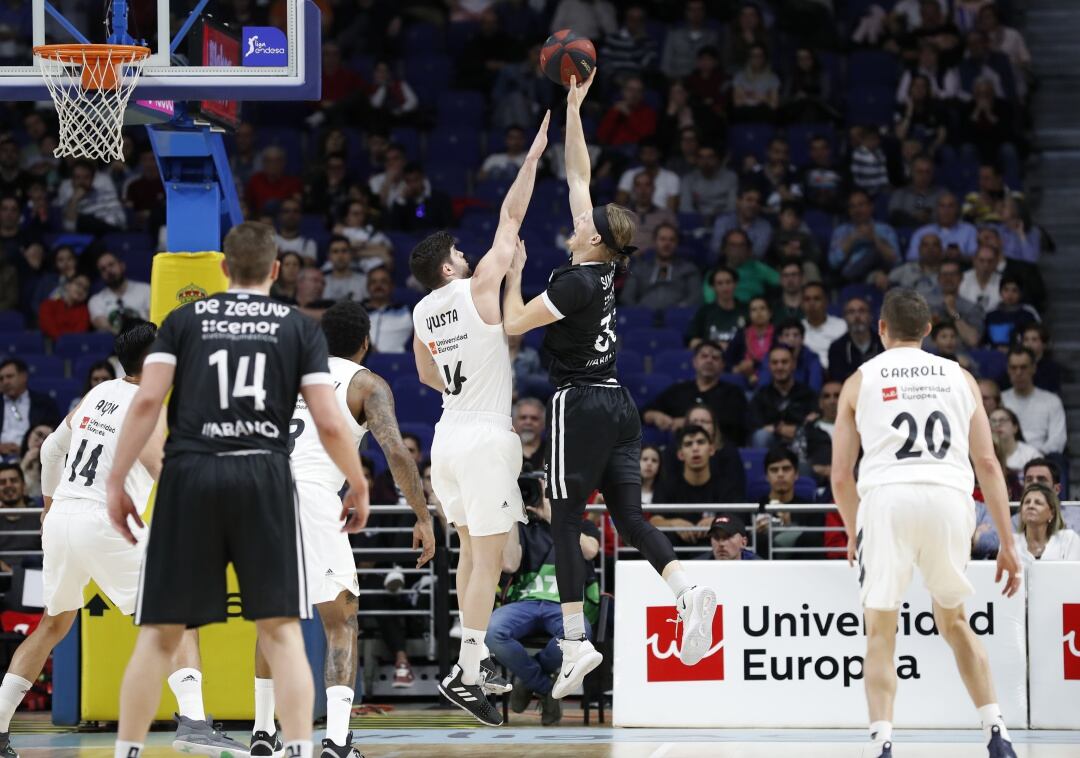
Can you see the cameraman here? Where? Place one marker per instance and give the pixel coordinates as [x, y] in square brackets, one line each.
[532, 603]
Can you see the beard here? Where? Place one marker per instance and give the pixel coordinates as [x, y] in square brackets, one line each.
[528, 437]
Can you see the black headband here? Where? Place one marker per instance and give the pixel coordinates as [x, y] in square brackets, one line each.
[600, 221]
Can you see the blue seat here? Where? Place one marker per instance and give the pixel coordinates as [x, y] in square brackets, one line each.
[80, 367]
[97, 344]
[992, 363]
[289, 139]
[429, 75]
[629, 317]
[461, 109]
[679, 364]
[46, 367]
[460, 145]
[679, 318]
[426, 433]
[77, 242]
[129, 245]
[805, 489]
[799, 137]
[451, 178]
[12, 321]
[375, 454]
[416, 401]
[421, 36]
[873, 104]
[749, 139]
[409, 139]
[480, 221]
[867, 292]
[390, 366]
[644, 387]
[820, 224]
[651, 341]
[753, 460]
[737, 380]
[689, 221]
[17, 344]
[874, 67]
[407, 296]
[459, 34]
[628, 363]
[63, 391]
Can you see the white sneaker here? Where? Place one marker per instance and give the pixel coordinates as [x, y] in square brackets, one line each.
[579, 657]
[696, 608]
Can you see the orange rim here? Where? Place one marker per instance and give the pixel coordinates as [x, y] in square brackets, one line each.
[72, 53]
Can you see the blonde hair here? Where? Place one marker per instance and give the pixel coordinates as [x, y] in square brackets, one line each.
[250, 250]
[1052, 500]
[623, 223]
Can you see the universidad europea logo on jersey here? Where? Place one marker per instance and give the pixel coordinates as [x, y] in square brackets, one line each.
[1070, 639]
[888, 393]
[663, 641]
[189, 293]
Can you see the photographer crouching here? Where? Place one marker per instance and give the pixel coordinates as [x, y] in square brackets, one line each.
[531, 607]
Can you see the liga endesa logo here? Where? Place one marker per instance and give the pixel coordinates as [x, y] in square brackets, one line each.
[663, 641]
[1070, 640]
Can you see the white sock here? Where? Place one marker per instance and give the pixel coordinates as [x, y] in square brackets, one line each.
[990, 715]
[472, 648]
[573, 626]
[127, 749]
[12, 691]
[298, 749]
[338, 709]
[880, 733]
[678, 582]
[264, 707]
[484, 652]
[186, 685]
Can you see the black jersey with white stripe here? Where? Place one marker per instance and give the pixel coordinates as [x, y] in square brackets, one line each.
[582, 342]
[240, 360]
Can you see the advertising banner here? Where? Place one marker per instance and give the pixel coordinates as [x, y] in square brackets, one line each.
[788, 646]
[1054, 644]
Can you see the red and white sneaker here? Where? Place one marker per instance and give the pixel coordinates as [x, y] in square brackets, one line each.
[403, 676]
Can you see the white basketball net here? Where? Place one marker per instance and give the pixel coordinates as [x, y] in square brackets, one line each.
[91, 116]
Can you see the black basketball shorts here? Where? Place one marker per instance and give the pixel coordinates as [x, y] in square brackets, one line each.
[213, 510]
[595, 441]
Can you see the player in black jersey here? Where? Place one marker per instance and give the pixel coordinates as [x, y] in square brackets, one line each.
[235, 363]
[595, 436]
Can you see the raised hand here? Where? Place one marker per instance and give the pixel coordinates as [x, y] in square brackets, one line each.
[540, 141]
[576, 96]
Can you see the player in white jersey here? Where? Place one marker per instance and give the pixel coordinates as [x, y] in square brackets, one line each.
[367, 404]
[461, 351]
[920, 421]
[79, 544]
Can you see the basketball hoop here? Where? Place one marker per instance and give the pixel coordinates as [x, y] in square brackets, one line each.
[90, 85]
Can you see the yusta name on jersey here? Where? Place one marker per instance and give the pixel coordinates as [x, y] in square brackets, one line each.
[441, 319]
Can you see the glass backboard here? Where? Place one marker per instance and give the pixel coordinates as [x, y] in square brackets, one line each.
[200, 49]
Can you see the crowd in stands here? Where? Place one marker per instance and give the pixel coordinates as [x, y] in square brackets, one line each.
[788, 162]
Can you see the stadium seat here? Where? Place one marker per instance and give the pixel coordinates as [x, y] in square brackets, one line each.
[289, 139]
[426, 433]
[409, 139]
[820, 224]
[80, 367]
[873, 67]
[677, 363]
[737, 380]
[628, 363]
[650, 341]
[748, 139]
[991, 363]
[421, 36]
[630, 317]
[429, 75]
[753, 460]
[460, 145]
[12, 321]
[644, 387]
[97, 344]
[679, 318]
[462, 109]
[46, 367]
[63, 391]
[867, 292]
[390, 366]
[77, 242]
[375, 454]
[20, 344]
[415, 401]
[450, 177]
[872, 105]
[799, 137]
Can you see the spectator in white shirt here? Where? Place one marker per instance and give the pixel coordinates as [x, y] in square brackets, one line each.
[1041, 413]
[665, 181]
[1042, 534]
[88, 201]
[1009, 41]
[506, 164]
[1009, 437]
[370, 247]
[822, 328]
[949, 228]
[288, 236]
[391, 323]
[982, 284]
[122, 301]
[343, 282]
[390, 184]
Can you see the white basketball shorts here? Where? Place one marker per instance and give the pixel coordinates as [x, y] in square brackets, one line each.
[903, 526]
[81, 544]
[475, 463]
[328, 557]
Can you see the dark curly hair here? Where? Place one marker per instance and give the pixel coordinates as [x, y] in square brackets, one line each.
[427, 258]
[346, 325]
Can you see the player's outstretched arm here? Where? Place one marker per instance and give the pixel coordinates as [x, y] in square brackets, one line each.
[995, 494]
[845, 453]
[492, 267]
[373, 399]
[578, 165]
[426, 368]
[518, 317]
[337, 441]
[142, 419]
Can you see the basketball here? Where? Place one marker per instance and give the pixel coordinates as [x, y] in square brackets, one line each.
[565, 54]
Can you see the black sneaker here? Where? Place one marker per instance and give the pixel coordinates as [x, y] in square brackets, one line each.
[550, 710]
[6, 750]
[469, 697]
[264, 744]
[494, 682]
[999, 747]
[886, 750]
[332, 750]
[520, 697]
